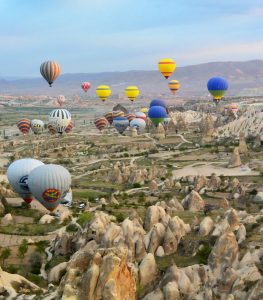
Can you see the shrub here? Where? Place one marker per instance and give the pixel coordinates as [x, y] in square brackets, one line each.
[203, 254]
[136, 185]
[72, 228]
[84, 218]
[35, 262]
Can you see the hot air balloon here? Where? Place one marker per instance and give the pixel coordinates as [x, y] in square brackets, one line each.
[61, 99]
[139, 124]
[132, 92]
[24, 126]
[141, 115]
[157, 102]
[51, 129]
[17, 174]
[166, 67]
[85, 86]
[117, 113]
[103, 92]
[145, 110]
[59, 119]
[101, 123]
[174, 86]
[120, 124]
[50, 70]
[157, 114]
[49, 184]
[37, 126]
[217, 87]
[109, 116]
[69, 127]
[130, 117]
[166, 122]
[233, 107]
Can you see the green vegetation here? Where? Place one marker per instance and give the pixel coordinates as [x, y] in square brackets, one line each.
[72, 228]
[29, 229]
[84, 218]
[22, 249]
[5, 253]
[86, 194]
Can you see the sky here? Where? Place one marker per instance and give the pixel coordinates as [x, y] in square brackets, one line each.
[87, 36]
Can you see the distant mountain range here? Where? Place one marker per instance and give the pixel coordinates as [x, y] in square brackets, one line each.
[245, 78]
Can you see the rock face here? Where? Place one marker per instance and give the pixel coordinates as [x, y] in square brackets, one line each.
[243, 149]
[46, 219]
[235, 160]
[56, 273]
[206, 226]
[193, 202]
[7, 220]
[147, 270]
[103, 274]
[258, 198]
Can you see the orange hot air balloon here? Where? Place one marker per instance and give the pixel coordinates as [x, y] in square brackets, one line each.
[166, 67]
[50, 70]
[24, 126]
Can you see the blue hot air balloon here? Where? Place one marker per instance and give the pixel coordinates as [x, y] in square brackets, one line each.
[139, 124]
[157, 102]
[120, 124]
[217, 87]
[157, 114]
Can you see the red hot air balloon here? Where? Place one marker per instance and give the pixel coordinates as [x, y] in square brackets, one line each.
[85, 86]
[101, 123]
[69, 127]
[130, 117]
[24, 126]
[51, 129]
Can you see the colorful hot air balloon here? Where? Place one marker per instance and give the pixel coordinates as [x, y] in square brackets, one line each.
[51, 129]
[117, 113]
[217, 87]
[85, 86]
[132, 92]
[141, 115]
[103, 92]
[157, 114]
[37, 126]
[139, 124]
[157, 102]
[50, 70]
[101, 123]
[61, 99]
[59, 119]
[166, 122]
[233, 107]
[109, 116]
[17, 174]
[174, 86]
[166, 67]
[120, 124]
[130, 117]
[145, 110]
[24, 126]
[49, 184]
[69, 127]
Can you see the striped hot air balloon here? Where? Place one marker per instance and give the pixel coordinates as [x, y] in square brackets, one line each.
[117, 113]
[132, 92]
[59, 119]
[174, 86]
[51, 129]
[101, 123]
[109, 116]
[103, 92]
[50, 70]
[69, 127]
[85, 86]
[166, 67]
[141, 115]
[130, 117]
[120, 124]
[24, 126]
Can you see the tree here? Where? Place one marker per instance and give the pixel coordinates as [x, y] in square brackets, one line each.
[22, 249]
[5, 253]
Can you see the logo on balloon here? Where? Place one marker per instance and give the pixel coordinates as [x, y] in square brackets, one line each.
[51, 195]
[24, 183]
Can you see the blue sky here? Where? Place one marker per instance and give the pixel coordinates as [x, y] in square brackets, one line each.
[119, 35]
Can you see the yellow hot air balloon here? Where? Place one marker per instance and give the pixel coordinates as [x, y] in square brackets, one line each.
[103, 92]
[132, 92]
[166, 67]
[174, 85]
[144, 110]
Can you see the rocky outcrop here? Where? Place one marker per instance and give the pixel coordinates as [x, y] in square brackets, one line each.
[57, 272]
[46, 219]
[7, 220]
[206, 226]
[148, 270]
[243, 149]
[193, 202]
[235, 160]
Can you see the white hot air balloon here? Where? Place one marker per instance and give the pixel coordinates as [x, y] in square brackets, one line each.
[17, 174]
[59, 119]
[139, 124]
[37, 126]
[49, 184]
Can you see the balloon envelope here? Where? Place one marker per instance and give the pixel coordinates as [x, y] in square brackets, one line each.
[101, 123]
[166, 67]
[17, 174]
[157, 102]
[37, 126]
[145, 110]
[59, 119]
[132, 92]
[50, 70]
[157, 114]
[49, 184]
[130, 117]
[109, 116]
[139, 124]
[141, 115]
[85, 86]
[217, 87]
[174, 86]
[120, 124]
[61, 99]
[166, 122]
[69, 128]
[103, 92]
[24, 125]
